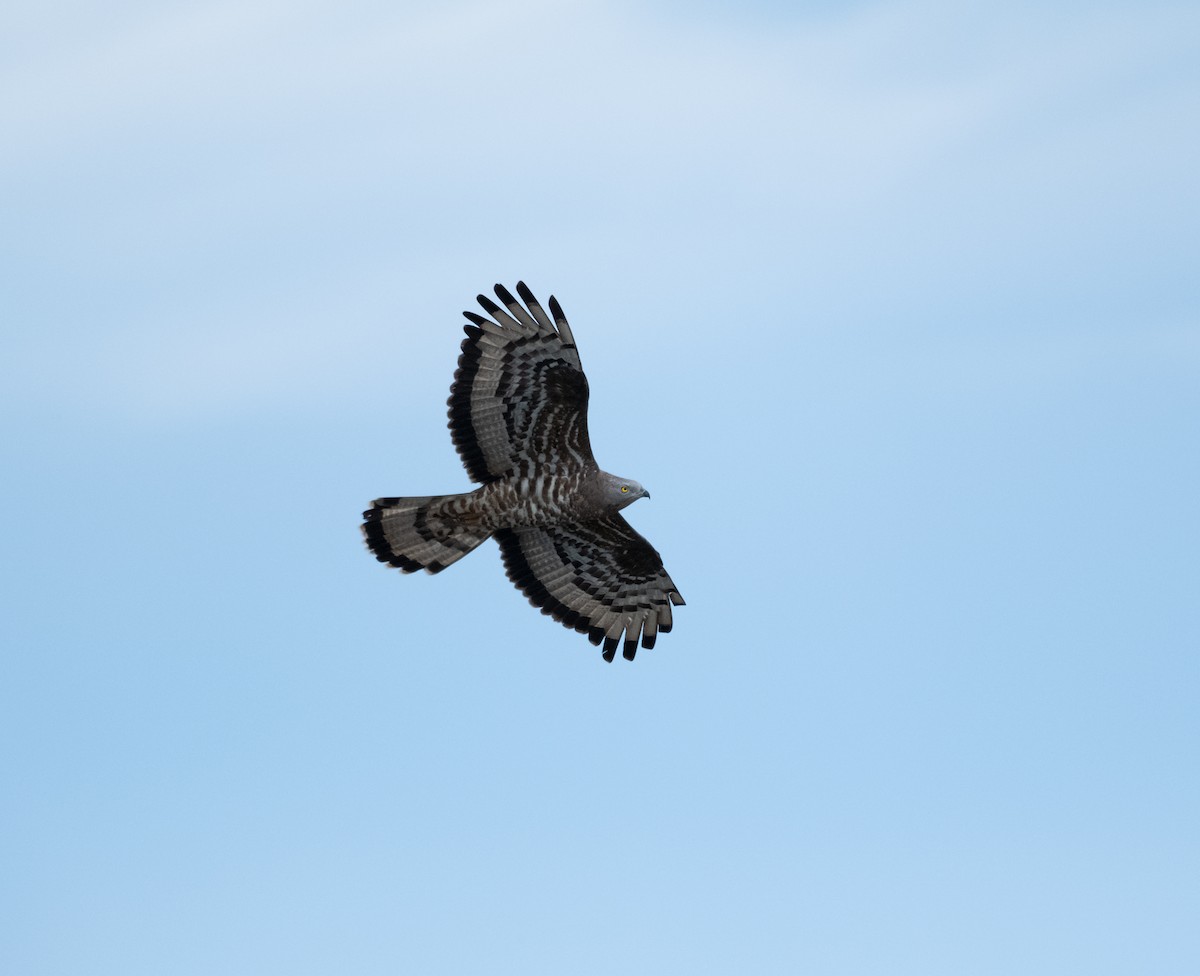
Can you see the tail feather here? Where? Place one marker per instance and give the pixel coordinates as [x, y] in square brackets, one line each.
[403, 533]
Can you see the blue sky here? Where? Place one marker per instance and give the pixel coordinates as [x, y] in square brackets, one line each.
[894, 309]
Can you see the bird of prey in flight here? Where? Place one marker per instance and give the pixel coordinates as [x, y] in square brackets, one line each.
[518, 417]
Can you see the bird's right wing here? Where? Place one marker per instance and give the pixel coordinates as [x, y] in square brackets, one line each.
[600, 578]
[519, 394]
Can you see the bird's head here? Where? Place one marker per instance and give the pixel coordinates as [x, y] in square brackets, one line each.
[620, 492]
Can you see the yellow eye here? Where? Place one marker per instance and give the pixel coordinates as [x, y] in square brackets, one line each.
[624, 488]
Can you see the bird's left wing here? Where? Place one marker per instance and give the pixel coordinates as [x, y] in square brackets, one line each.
[600, 578]
[519, 396]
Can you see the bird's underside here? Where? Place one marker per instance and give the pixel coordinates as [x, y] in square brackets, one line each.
[518, 418]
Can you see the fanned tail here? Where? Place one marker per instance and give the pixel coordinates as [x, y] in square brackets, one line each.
[404, 533]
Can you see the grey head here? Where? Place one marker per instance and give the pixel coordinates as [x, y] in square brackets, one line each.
[620, 492]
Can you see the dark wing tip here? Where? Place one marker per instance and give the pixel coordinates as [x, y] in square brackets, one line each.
[629, 650]
[474, 317]
[556, 310]
[609, 654]
[525, 293]
[504, 295]
[488, 305]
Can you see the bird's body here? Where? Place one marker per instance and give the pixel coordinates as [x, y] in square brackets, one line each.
[518, 417]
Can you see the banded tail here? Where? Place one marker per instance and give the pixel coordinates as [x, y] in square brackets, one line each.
[403, 533]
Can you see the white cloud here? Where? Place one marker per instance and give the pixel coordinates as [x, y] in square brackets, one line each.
[263, 163]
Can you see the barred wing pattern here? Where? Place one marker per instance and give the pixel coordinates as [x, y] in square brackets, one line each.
[600, 578]
[519, 396]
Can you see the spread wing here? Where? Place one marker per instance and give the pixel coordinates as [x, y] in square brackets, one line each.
[600, 578]
[519, 396]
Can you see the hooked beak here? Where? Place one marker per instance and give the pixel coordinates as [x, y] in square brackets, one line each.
[645, 494]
